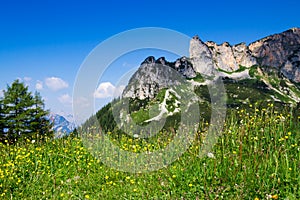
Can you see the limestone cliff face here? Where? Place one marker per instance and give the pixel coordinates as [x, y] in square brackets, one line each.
[201, 57]
[281, 51]
[243, 56]
[208, 57]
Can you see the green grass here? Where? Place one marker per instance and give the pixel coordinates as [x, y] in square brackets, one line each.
[240, 69]
[257, 156]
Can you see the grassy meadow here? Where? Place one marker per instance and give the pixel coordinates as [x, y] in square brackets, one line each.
[257, 157]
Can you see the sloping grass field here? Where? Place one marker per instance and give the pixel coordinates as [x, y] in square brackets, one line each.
[257, 157]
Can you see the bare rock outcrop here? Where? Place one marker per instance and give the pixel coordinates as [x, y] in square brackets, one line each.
[154, 75]
[208, 57]
[243, 55]
[280, 51]
[201, 57]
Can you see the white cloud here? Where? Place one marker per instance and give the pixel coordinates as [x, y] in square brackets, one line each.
[107, 89]
[27, 79]
[55, 83]
[39, 85]
[1, 93]
[65, 99]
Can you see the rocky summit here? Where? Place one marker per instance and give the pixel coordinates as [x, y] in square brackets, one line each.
[154, 75]
[281, 51]
[272, 60]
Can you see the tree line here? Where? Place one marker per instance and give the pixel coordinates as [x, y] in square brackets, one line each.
[23, 115]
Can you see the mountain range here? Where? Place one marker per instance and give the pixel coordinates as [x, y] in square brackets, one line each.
[273, 57]
[62, 125]
[266, 70]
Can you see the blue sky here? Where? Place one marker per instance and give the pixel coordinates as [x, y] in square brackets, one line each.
[45, 42]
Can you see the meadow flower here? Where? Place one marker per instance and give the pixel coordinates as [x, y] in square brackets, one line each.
[268, 196]
[210, 155]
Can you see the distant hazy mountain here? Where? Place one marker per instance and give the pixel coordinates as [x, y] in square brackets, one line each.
[62, 126]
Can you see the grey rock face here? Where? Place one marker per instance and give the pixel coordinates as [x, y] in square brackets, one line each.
[153, 76]
[291, 68]
[184, 67]
[206, 57]
[243, 56]
[201, 57]
[280, 51]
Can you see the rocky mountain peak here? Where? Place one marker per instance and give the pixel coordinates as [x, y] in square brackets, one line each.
[208, 57]
[201, 57]
[149, 60]
[161, 60]
[152, 76]
[196, 38]
[225, 44]
[281, 51]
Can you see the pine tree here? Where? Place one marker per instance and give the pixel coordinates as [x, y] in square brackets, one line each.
[2, 124]
[40, 125]
[17, 101]
[23, 113]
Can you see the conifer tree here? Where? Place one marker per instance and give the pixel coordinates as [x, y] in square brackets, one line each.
[2, 124]
[23, 114]
[40, 125]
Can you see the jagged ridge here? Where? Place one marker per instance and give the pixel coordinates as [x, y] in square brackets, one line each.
[236, 62]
